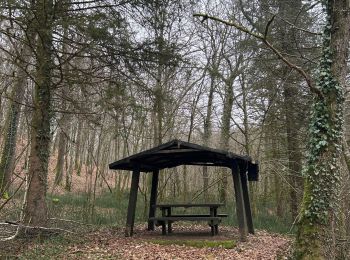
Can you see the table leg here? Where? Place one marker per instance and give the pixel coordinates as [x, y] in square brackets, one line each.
[216, 229]
[170, 230]
[163, 223]
[212, 228]
[163, 228]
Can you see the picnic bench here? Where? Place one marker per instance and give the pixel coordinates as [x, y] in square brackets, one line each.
[168, 218]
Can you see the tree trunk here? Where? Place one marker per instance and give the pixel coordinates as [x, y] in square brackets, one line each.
[64, 121]
[322, 168]
[247, 142]
[292, 103]
[62, 144]
[11, 122]
[185, 183]
[77, 157]
[207, 134]
[69, 171]
[234, 72]
[35, 210]
[294, 151]
[158, 106]
[225, 136]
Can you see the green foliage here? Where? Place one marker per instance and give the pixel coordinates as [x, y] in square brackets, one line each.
[273, 223]
[55, 200]
[111, 209]
[5, 195]
[263, 219]
[227, 244]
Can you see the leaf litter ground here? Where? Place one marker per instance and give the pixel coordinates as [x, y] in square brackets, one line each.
[110, 243]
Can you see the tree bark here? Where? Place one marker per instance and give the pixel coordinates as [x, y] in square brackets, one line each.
[11, 122]
[226, 118]
[64, 121]
[293, 148]
[62, 144]
[225, 136]
[69, 172]
[79, 145]
[35, 210]
[207, 131]
[292, 102]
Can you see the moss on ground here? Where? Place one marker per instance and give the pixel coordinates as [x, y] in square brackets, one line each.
[227, 244]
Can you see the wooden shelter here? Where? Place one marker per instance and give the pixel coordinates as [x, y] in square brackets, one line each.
[175, 153]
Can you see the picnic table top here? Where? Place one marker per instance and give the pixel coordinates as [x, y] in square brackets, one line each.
[189, 205]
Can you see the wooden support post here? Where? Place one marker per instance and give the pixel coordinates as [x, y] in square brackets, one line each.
[153, 199]
[237, 183]
[132, 202]
[248, 211]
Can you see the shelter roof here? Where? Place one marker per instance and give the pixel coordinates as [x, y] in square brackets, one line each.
[177, 152]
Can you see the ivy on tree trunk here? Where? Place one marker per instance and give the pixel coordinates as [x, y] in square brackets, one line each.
[321, 172]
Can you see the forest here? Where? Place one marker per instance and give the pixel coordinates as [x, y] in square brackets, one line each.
[85, 83]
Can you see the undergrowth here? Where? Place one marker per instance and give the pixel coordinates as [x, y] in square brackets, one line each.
[110, 209]
[51, 248]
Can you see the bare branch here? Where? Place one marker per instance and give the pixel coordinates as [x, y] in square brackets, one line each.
[69, 220]
[9, 198]
[37, 227]
[262, 38]
[268, 25]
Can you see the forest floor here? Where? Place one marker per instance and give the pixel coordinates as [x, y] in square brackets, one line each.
[186, 242]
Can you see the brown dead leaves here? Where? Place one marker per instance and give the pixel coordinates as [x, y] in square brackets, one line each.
[109, 244]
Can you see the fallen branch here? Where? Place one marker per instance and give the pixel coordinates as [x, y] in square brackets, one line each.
[8, 238]
[69, 220]
[36, 227]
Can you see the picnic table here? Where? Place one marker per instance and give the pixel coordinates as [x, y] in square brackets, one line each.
[167, 218]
